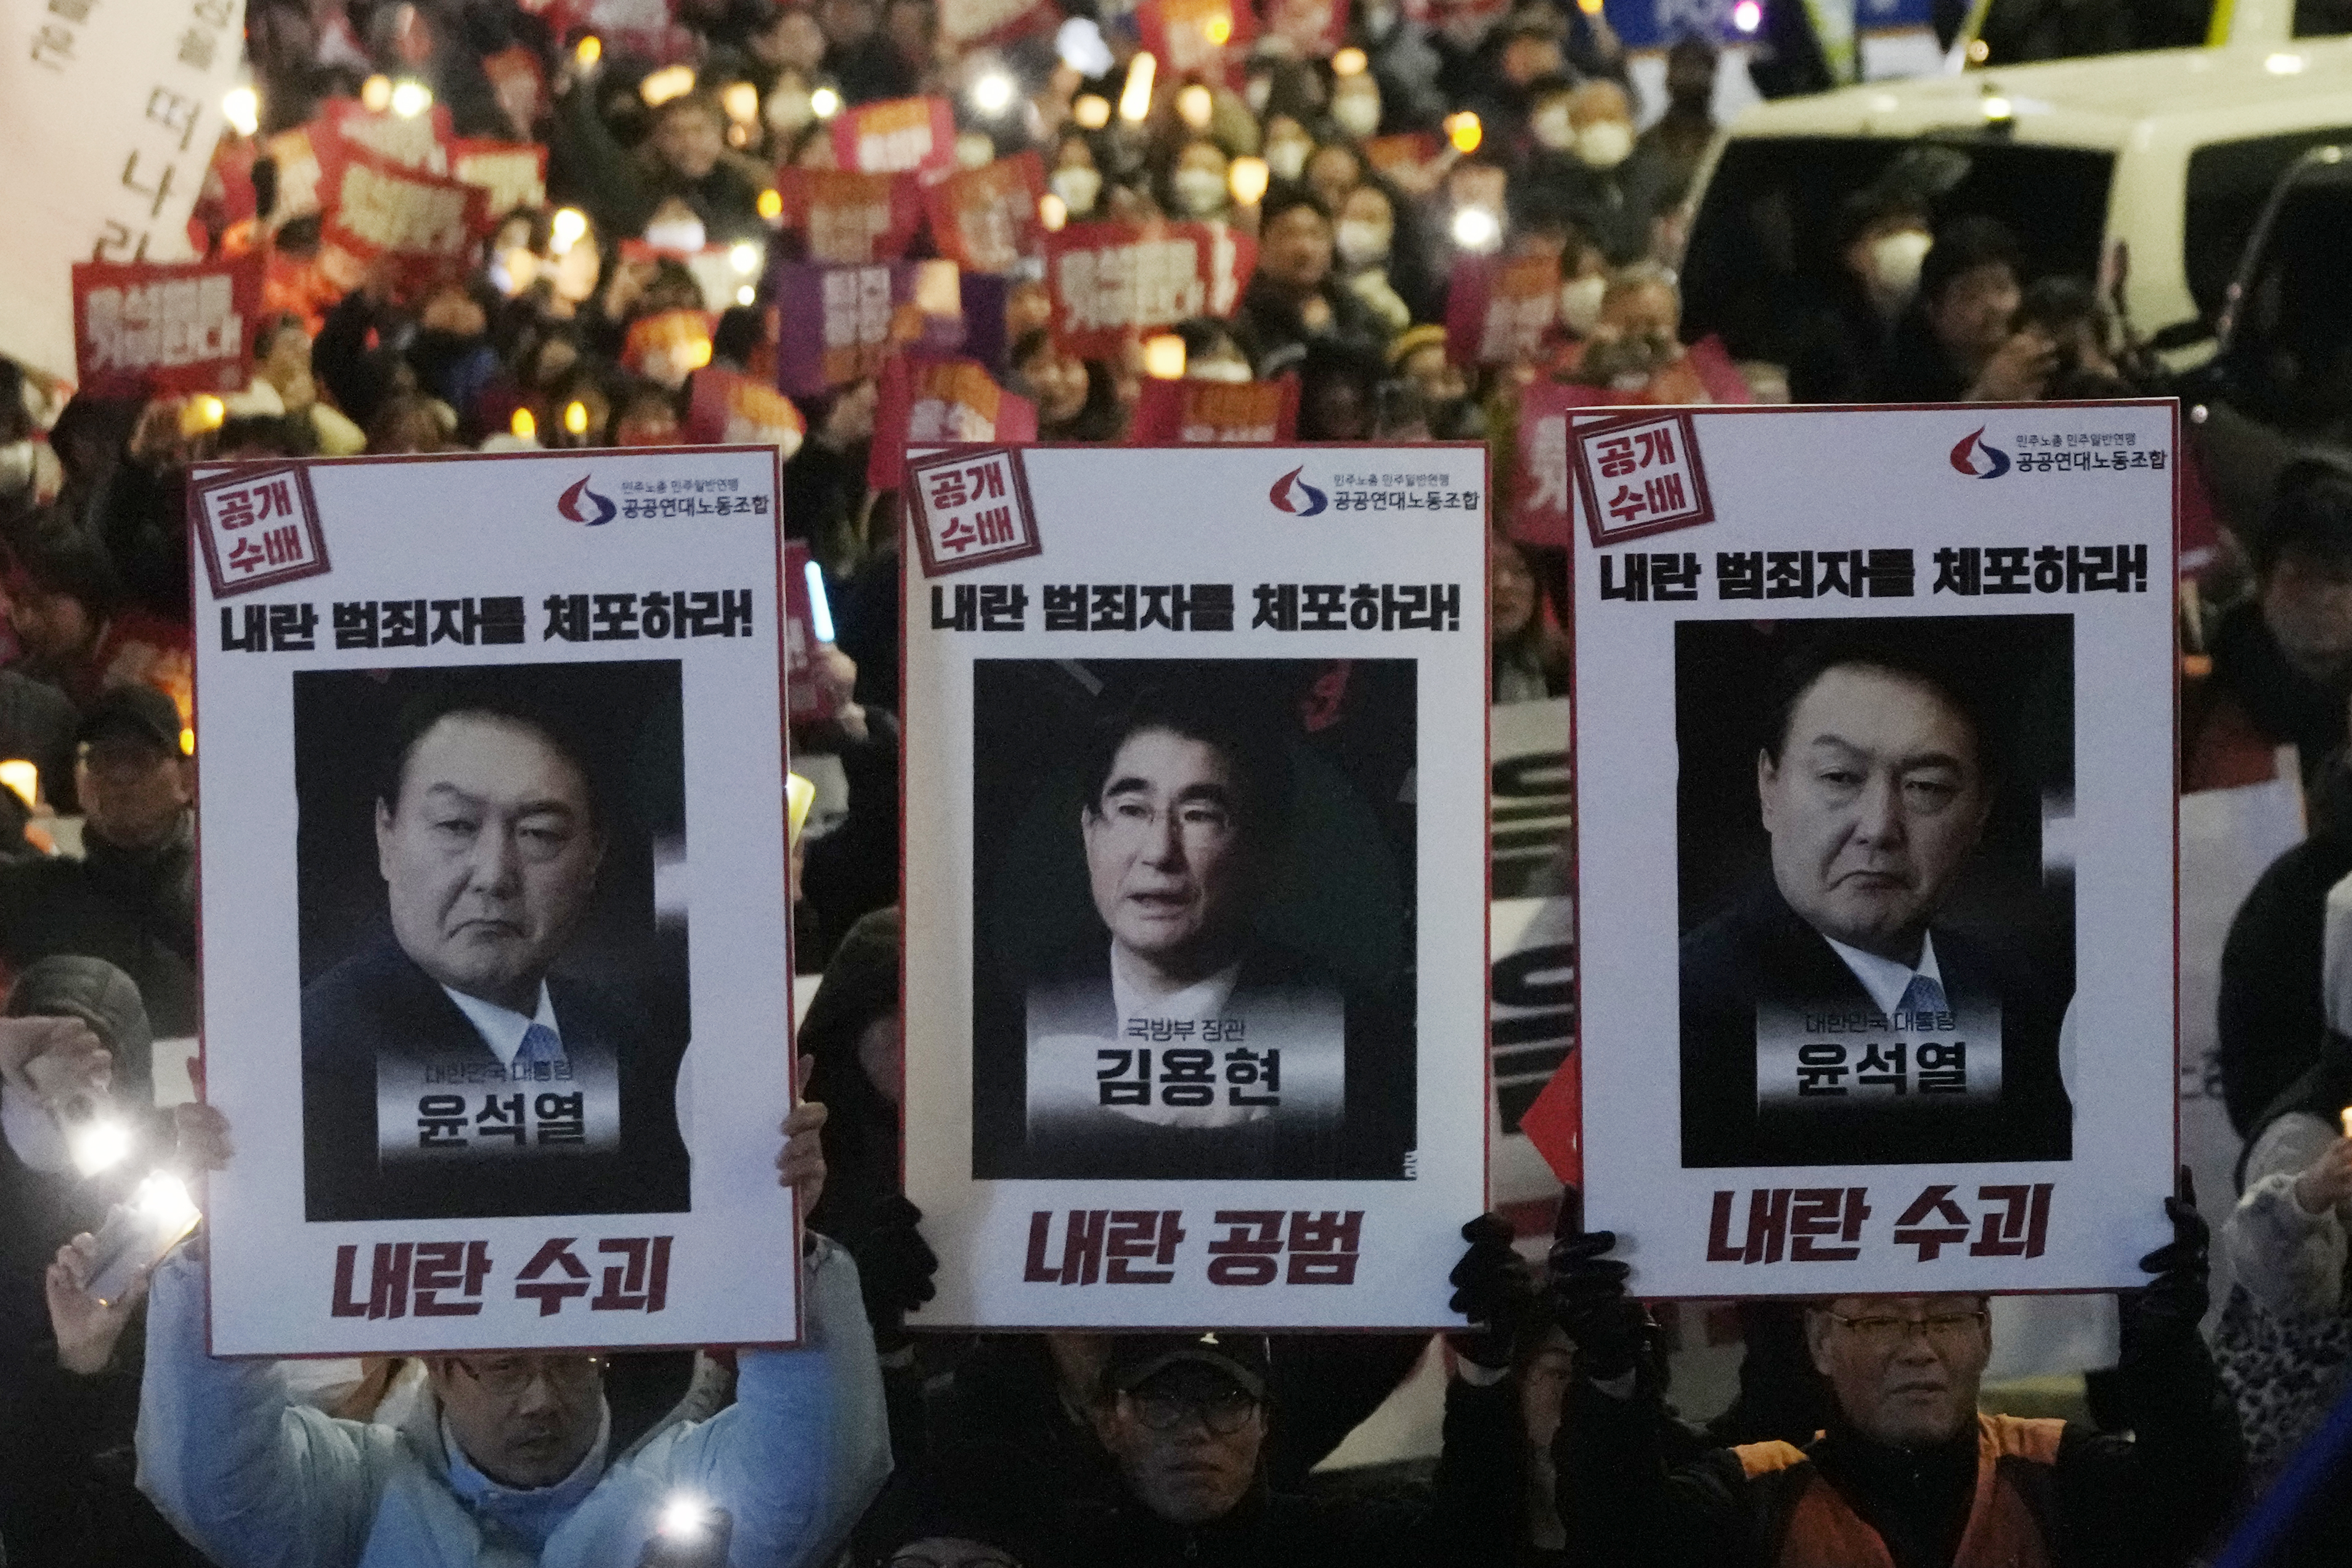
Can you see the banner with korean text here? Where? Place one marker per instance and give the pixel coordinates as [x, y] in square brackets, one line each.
[1112, 280]
[1204, 811]
[494, 905]
[1874, 828]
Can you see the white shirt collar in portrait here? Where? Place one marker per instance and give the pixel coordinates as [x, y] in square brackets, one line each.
[1203, 1000]
[502, 1029]
[1886, 979]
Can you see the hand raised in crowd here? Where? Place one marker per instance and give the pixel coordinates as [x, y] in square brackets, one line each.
[1587, 1290]
[87, 1328]
[2165, 1312]
[2018, 371]
[801, 1164]
[1492, 1288]
[53, 1058]
[836, 676]
[2327, 1181]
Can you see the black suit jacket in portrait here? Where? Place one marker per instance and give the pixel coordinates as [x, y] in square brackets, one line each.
[1760, 949]
[379, 1003]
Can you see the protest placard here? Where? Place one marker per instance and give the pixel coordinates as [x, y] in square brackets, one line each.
[1197, 37]
[109, 114]
[896, 136]
[836, 322]
[143, 328]
[925, 399]
[1111, 280]
[986, 218]
[728, 409]
[493, 901]
[1185, 974]
[375, 210]
[1915, 955]
[1497, 311]
[511, 174]
[1186, 413]
[851, 219]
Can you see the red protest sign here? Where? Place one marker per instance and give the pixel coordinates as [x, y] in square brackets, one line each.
[985, 219]
[145, 328]
[851, 219]
[1109, 281]
[1543, 490]
[1196, 37]
[1190, 412]
[899, 135]
[729, 409]
[510, 174]
[416, 142]
[1496, 311]
[927, 401]
[666, 346]
[374, 208]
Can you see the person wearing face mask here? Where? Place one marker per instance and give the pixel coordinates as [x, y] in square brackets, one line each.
[1364, 238]
[1356, 105]
[1293, 298]
[1287, 146]
[1584, 153]
[1211, 353]
[1846, 334]
[1075, 179]
[1959, 340]
[1195, 187]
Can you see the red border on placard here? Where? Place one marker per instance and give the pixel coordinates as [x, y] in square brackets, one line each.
[1602, 538]
[955, 454]
[241, 471]
[1576, 720]
[300, 469]
[1487, 1119]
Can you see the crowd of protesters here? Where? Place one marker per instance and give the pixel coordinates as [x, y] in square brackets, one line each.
[1856, 1439]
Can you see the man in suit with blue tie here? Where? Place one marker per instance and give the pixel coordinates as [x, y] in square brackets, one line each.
[1827, 1016]
[445, 1073]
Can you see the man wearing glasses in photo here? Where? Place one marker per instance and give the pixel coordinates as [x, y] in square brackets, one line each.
[1908, 1471]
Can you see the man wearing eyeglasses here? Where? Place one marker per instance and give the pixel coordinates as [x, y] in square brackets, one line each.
[509, 1460]
[1907, 1473]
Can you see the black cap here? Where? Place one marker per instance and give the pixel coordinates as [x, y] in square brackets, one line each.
[93, 990]
[141, 709]
[1136, 1359]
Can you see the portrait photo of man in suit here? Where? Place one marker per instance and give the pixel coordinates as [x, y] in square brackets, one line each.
[448, 1070]
[1834, 1010]
[1175, 1033]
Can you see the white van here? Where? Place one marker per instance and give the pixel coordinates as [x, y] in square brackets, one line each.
[1999, 32]
[2171, 155]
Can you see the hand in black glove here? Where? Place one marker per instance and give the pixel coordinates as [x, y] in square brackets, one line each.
[895, 1266]
[1587, 1288]
[1492, 1288]
[2166, 1314]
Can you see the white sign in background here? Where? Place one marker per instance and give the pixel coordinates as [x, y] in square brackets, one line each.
[1208, 515]
[110, 109]
[471, 527]
[1797, 479]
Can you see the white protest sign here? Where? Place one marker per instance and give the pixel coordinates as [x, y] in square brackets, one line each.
[109, 112]
[1874, 716]
[1202, 917]
[494, 906]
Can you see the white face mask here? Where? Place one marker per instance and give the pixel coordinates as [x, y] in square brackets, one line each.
[675, 234]
[1604, 143]
[1358, 113]
[1895, 262]
[788, 110]
[1077, 187]
[1287, 158]
[1552, 128]
[1198, 191]
[1579, 303]
[1232, 372]
[1361, 242]
[1256, 91]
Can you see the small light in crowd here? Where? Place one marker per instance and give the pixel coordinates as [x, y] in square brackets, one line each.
[24, 778]
[1091, 111]
[1589, 7]
[1464, 130]
[1163, 357]
[566, 229]
[1475, 228]
[746, 294]
[575, 418]
[590, 51]
[1748, 15]
[525, 427]
[771, 204]
[187, 742]
[164, 1198]
[744, 256]
[1080, 45]
[1997, 108]
[1135, 102]
[411, 98]
[2284, 65]
[825, 102]
[2347, 1119]
[1053, 212]
[683, 1519]
[820, 608]
[1349, 62]
[1194, 106]
[1218, 30]
[695, 355]
[99, 1143]
[742, 101]
[242, 108]
[993, 92]
[201, 413]
[1246, 178]
[375, 94]
[669, 82]
[1978, 51]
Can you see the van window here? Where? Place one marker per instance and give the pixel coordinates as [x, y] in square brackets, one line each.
[2017, 31]
[2289, 359]
[2229, 184]
[1763, 249]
